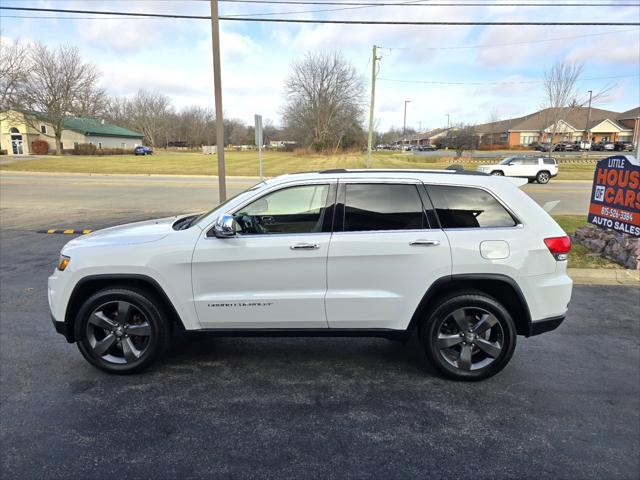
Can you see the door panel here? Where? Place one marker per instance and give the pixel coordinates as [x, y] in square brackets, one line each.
[273, 274]
[260, 281]
[384, 258]
[377, 279]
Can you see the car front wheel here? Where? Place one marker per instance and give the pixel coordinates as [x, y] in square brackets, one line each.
[121, 330]
[543, 177]
[498, 173]
[469, 337]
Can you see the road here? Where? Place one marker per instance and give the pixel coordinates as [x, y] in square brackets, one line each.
[89, 201]
[567, 406]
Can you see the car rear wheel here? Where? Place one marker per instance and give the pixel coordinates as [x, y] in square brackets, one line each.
[122, 330]
[469, 337]
[543, 177]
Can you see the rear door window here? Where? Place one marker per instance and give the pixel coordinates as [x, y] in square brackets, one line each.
[382, 207]
[468, 207]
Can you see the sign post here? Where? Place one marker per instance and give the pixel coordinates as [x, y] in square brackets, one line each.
[259, 140]
[615, 196]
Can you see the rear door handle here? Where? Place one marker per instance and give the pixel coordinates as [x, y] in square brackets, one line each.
[425, 243]
[305, 246]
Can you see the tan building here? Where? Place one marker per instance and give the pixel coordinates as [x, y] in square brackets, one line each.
[580, 124]
[17, 133]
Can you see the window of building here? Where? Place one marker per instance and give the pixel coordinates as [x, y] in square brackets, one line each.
[290, 210]
[468, 207]
[382, 207]
[43, 129]
[99, 144]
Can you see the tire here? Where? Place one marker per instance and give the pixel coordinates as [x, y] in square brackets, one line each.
[122, 347]
[543, 177]
[497, 173]
[456, 349]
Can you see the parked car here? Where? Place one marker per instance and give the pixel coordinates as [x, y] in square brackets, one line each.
[427, 148]
[143, 150]
[602, 146]
[583, 145]
[623, 146]
[543, 146]
[466, 260]
[539, 169]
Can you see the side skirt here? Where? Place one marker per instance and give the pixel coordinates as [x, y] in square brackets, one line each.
[399, 335]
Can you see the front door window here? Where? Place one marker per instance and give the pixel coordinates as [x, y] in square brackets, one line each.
[290, 210]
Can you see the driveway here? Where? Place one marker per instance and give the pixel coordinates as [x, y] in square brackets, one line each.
[568, 405]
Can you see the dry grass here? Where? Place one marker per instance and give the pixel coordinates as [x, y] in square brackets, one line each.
[246, 163]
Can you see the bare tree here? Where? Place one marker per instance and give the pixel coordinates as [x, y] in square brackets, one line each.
[58, 84]
[14, 68]
[560, 96]
[462, 138]
[149, 114]
[324, 101]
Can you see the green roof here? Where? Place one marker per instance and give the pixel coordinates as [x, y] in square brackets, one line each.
[91, 126]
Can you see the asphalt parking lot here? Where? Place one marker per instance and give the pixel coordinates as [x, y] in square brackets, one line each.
[568, 405]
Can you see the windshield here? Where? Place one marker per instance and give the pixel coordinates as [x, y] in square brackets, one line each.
[229, 200]
[506, 161]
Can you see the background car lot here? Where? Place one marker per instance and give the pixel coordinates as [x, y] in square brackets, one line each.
[566, 407]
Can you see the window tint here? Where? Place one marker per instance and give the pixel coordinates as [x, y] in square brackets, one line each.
[517, 161]
[530, 161]
[466, 207]
[382, 207]
[290, 210]
[549, 161]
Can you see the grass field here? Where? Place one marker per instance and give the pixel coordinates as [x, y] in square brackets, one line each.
[580, 257]
[246, 163]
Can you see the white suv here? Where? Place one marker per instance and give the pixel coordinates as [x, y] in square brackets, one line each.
[466, 260]
[539, 169]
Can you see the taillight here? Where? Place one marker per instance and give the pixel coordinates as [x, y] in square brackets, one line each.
[559, 247]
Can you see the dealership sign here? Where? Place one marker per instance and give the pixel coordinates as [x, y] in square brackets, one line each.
[615, 197]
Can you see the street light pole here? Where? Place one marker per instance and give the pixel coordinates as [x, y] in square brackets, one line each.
[217, 87]
[404, 126]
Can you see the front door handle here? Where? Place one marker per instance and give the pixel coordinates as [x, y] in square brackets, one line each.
[425, 243]
[305, 246]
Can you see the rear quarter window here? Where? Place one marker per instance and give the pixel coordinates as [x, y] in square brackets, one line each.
[549, 161]
[468, 207]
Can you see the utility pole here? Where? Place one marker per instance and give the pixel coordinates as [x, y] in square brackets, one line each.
[374, 59]
[419, 126]
[586, 128]
[404, 125]
[217, 87]
[447, 121]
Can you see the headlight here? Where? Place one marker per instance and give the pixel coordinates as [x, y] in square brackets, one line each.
[63, 262]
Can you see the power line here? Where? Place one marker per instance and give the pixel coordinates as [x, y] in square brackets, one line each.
[296, 20]
[524, 82]
[524, 42]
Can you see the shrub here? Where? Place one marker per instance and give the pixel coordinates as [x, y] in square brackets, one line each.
[3, 152]
[84, 149]
[39, 147]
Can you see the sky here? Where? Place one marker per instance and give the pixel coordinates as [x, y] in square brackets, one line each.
[500, 67]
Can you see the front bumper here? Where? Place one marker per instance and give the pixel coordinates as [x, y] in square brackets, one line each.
[545, 325]
[61, 328]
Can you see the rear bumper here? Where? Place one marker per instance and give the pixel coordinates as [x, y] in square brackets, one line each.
[545, 325]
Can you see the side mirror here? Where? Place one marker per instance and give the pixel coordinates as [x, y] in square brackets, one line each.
[225, 226]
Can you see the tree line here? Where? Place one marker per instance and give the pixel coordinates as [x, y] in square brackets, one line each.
[323, 106]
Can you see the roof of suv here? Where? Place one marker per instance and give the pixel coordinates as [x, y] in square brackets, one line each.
[459, 177]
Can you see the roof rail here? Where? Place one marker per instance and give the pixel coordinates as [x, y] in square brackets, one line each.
[446, 171]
